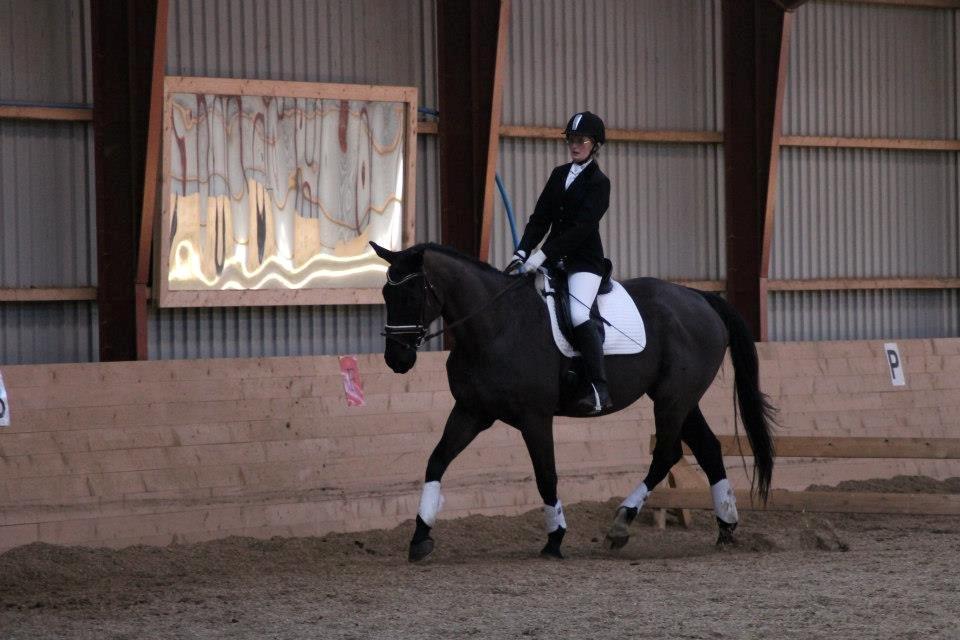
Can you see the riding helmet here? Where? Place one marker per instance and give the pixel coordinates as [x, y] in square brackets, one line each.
[587, 124]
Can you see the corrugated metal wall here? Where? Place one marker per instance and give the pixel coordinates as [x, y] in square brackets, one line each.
[47, 224]
[47, 208]
[865, 315]
[869, 71]
[47, 332]
[46, 47]
[643, 64]
[866, 213]
[351, 41]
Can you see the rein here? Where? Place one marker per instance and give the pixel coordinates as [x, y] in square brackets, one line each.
[489, 302]
[390, 331]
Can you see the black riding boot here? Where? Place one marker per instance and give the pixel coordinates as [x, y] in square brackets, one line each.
[588, 344]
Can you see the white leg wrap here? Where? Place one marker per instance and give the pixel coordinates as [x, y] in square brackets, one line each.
[553, 517]
[724, 502]
[431, 501]
[636, 499]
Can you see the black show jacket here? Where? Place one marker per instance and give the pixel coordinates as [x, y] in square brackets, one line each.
[573, 218]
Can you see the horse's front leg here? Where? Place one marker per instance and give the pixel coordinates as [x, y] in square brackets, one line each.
[538, 436]
[462, 427]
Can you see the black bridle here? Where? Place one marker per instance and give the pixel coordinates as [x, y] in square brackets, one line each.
[393, 331]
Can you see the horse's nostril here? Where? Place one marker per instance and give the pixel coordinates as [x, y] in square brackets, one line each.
[400, 360]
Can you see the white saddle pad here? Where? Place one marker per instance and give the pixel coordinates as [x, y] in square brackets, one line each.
[625, 334]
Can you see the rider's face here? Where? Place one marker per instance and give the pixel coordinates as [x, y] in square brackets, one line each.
[580, 148]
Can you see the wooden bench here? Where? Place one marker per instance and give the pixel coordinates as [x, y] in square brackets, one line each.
[687, 489]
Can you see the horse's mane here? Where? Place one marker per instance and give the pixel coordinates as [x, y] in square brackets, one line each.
[462, 257]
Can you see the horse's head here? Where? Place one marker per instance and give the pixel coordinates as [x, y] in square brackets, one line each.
[412, 305]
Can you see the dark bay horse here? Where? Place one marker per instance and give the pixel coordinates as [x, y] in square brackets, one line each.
[505, 366]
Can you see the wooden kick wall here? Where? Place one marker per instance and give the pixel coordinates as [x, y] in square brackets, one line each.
[156, 452]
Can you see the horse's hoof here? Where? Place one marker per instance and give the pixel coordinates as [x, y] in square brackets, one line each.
[551, 552]
[615, 541]
[619, 533]
[725, 540]
[554, 540]
[420, 550]
[725, 537]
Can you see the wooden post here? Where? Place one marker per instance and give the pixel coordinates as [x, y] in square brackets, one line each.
[468, 49]
[681, 476]
[468, 39]
[122, 35]
[151, 175]
[493, 140]
[774, 173]
[755, 44]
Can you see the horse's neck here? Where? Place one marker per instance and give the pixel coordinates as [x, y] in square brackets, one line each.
[466, 291]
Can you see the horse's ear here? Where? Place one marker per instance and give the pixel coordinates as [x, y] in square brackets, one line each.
[385, 254]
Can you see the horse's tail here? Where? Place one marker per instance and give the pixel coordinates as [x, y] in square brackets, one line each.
[756, 412]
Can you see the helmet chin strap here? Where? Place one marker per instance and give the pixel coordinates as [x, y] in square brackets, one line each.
[593, 153]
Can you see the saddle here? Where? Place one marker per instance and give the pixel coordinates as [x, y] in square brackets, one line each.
[561, 299]
[617, 310]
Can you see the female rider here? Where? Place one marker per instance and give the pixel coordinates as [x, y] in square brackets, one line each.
[574, 199]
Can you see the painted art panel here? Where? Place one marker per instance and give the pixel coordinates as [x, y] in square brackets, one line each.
[282, 193]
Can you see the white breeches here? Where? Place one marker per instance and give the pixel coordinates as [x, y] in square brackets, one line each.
[583, 287]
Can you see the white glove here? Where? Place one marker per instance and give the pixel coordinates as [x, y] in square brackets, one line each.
[533, 262]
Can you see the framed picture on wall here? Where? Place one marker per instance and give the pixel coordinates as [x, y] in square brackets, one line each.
[272, 191]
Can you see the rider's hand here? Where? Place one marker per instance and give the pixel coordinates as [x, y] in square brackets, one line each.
[516, 263]
[532, 263]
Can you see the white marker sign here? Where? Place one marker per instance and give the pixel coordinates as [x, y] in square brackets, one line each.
[4, 405]
[892, 354]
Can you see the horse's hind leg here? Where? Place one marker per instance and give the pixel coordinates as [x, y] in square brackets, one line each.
[706, 449]
[666, 453]
[461, 428]
[537, 433]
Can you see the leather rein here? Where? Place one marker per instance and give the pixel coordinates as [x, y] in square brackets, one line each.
[393, 331]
